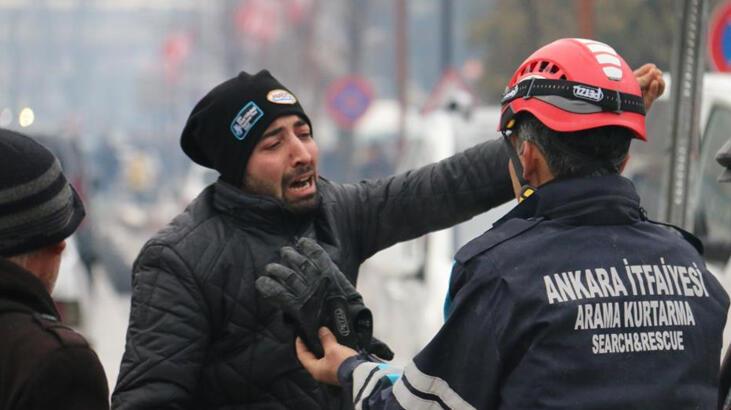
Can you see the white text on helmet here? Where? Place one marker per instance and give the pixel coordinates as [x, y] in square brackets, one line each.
[588, 93]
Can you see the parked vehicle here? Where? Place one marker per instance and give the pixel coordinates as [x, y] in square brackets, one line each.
[407, 282]
[709, 203]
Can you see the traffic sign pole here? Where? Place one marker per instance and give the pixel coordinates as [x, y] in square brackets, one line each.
[687, 73]
[347, 100]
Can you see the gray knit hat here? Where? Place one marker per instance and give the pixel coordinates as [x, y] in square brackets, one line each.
[38, 206]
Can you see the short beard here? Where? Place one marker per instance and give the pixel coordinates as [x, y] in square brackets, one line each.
[304, 206]
[301, 207]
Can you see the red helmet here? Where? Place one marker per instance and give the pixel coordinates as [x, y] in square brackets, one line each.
[574, 84]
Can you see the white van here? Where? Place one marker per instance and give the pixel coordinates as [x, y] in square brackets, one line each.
[709, 202]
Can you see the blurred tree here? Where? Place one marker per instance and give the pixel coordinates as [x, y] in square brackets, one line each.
[641, 31]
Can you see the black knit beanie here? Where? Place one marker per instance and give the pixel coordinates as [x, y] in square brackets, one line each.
[225, 126]
[38, 207]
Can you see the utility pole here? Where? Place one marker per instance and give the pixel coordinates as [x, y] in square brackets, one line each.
[585, 14]
[687, 86]
[231, 47]
[313, 73]
[402, 68]
[355, 19]
[446, 59]
[356, 15]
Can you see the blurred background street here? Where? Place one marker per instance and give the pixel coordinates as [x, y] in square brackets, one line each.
[389, 85]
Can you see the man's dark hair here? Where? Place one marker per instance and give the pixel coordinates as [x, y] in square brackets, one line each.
[591, 152]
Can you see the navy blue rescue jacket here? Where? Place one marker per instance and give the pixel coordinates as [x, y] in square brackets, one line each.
[574, 300]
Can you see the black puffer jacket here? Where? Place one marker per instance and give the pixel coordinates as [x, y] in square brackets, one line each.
[199, 338]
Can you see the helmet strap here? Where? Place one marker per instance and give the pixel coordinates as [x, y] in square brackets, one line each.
[603, 99]
[526, 189]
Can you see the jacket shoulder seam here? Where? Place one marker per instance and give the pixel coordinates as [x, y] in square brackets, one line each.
[490, 239]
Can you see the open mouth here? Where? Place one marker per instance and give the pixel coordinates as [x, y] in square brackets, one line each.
[303, 183]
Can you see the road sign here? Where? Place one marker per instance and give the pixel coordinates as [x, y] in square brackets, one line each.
[719, 41]
[451, 87]
[348, 99]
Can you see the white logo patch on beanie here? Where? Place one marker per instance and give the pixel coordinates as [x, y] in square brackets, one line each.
[245, 120]
[280, 96]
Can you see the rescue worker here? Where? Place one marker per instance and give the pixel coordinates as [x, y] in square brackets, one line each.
[574, 299]
[44, 365]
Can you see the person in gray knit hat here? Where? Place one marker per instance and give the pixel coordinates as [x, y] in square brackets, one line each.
[200, 336]
[43, 364]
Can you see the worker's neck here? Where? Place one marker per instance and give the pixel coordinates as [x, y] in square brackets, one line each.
[541, 176]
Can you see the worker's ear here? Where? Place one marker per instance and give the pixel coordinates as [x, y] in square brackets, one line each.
[530, 156]
[56, 248]
[624, 163]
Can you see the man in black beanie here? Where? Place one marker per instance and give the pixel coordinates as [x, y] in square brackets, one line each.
[199, 336]
[43, 364]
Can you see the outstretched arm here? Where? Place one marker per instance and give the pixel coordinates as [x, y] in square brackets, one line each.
[379, 213]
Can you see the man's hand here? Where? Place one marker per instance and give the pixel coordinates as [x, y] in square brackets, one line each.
[651, 83]
[300, 293]
[324, 370]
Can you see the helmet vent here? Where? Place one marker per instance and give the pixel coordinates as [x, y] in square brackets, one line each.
[544, 68]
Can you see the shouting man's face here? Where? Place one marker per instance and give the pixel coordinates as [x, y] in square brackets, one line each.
[284, 164]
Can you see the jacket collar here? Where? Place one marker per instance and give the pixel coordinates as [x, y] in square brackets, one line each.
[20, 291]
[263, 212]
[604, 200]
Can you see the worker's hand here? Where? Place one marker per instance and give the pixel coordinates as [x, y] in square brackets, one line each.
[324, 370]
[354, 328]
[651, 83]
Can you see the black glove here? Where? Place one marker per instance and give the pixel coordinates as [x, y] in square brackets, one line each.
[300, 293]
[355, 327]
[379, 349]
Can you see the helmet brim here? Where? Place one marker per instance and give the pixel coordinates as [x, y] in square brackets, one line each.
[562, 121]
